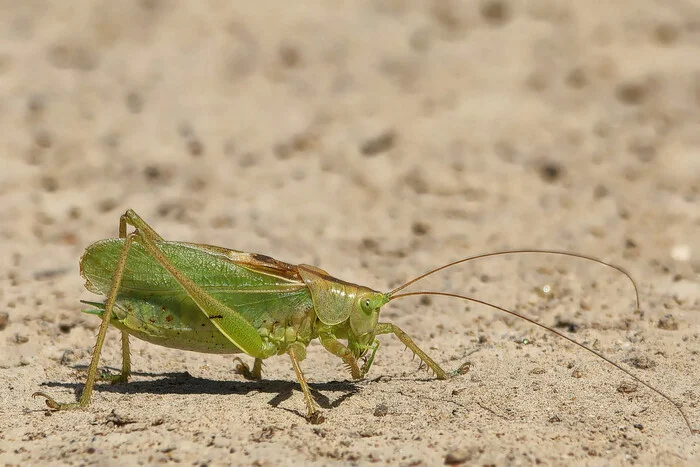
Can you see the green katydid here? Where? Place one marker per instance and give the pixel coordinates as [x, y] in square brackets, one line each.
[215, 300]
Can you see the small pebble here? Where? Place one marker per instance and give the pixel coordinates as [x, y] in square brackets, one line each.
[378, 144]
[642, 362]
[626, 387]
[381, 410]
[20, 339]
[457, 456]
[668, 322]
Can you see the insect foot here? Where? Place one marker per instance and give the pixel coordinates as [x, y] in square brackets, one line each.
[114, 379]
[316, 418]
[52, 404]
[244, 370]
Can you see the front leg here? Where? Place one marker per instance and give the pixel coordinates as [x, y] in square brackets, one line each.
[369, 360]
[331, 344]
[388, 328]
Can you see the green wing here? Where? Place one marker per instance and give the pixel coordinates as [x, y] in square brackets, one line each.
[256, 286]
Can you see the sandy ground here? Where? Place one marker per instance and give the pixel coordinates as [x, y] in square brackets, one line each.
[375, 140]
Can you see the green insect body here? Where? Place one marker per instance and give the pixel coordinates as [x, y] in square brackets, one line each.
[214, 300]
[271, 295]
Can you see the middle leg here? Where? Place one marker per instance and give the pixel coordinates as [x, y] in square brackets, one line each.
[297, 353]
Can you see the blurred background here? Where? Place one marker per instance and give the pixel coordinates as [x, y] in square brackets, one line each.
[375, 139]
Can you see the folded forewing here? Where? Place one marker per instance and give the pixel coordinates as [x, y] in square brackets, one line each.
[214, 269]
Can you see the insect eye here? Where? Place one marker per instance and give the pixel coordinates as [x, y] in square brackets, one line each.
[366, 305]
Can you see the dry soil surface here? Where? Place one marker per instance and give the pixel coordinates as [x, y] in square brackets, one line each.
[376, 139]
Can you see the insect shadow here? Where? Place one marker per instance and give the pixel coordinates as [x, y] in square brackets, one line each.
[185, 383]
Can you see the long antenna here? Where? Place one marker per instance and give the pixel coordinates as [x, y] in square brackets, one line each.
[532, 321]
[511, 252]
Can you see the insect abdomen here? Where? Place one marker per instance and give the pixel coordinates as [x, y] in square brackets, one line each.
[178, 327]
